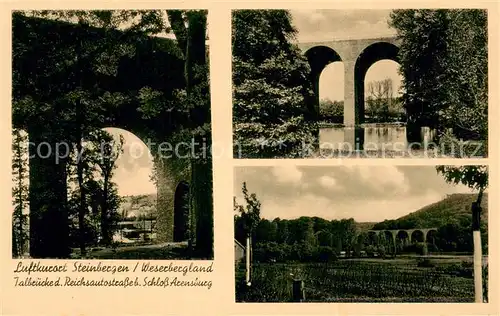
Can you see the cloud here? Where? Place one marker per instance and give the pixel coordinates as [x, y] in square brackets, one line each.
[383, 178]
[286, 174]
[134, 165]
[365, 193]
[306, 205]
[323, 25]
[328, 182]
[134, 182]
[316, 17]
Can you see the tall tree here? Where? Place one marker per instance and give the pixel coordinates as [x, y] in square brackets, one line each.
[250, 214]
[423, 56]
[272, 94]
[108, 151]
[19, 190]
[474, 177]
[443, 57]
[468, 74]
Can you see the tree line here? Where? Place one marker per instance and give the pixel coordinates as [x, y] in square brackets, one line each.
[317, 239]
[90, 171]
[381, 105]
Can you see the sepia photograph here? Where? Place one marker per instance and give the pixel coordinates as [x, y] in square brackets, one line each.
[111, 123]
[406, 83]
[361, 233]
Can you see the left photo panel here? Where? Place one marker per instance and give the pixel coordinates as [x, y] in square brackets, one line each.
[111, 135]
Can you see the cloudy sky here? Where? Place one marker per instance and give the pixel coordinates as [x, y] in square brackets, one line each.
[327, 25]
[365, 193]
[134, 166]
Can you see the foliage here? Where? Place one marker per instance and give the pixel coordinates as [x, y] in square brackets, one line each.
[250, 213]
[19, 192]
[77, 71]
[355, 281]
[485, 283]
[443, 57]
[474, 177]
[101, 200]
[297, 239]
[272, 93]
[331, 111]
[381, 104]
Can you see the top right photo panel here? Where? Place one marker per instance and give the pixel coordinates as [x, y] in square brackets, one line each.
[409, 83]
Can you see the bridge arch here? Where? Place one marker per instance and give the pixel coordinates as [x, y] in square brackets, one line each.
[319, 57]
[157, 63]
[417, 236]
[431, 236]
[370, 55]
[372, 237]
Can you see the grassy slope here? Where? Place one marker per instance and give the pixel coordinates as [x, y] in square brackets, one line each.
[449, 210]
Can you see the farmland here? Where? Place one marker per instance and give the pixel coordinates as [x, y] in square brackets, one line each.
[359, 280]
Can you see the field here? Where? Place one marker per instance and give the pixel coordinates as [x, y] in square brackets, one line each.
[361, 280]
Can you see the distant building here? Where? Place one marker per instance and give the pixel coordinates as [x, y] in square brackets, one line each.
[239, 251]
[133, 231]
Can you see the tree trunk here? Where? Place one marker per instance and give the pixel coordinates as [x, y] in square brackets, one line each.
[48, 218]
[81, 209]
[476, 235]
[104, 213]
[247, 259]
[21, 216]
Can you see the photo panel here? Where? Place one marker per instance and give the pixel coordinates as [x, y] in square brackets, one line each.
[361, 233]
[366, 83]
[111, 122]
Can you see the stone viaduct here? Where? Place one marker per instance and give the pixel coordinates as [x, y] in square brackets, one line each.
[405, 234]
[357, 56]
[153, 65]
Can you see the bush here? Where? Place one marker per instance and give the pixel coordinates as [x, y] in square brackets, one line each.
[485, 283]
[451, 146]
[326, 254]
[425, 263]
[465, 269]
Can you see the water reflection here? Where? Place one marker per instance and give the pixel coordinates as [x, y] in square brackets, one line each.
[366, 137]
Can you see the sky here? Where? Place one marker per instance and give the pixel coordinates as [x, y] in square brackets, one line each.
[365, 193]
[327, 25]
[134, 166]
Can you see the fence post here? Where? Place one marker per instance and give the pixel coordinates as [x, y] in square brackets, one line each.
[298, 291]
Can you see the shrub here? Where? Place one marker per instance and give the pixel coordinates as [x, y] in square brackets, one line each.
[326, 254]
[485, 283]
[425, 263]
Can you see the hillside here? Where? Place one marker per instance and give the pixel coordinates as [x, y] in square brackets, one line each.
[138, 205]
[455, 208]
[363, 226]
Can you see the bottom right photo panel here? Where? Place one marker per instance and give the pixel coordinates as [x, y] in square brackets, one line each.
[364, 233]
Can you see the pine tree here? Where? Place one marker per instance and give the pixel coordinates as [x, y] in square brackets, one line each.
[19, 191]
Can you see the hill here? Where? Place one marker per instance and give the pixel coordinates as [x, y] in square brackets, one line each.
[364, 226]
[138, 205]
[455, 208]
